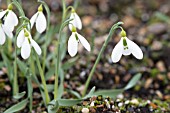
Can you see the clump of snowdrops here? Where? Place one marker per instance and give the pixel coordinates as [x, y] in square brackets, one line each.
[28, 55]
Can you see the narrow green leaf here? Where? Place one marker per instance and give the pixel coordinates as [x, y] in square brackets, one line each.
[22, 67]
[20, 95]
[69, 102]
[91, 93]
[50, 87]
[133, 81]
[50, 73]
[30, 90]
[8, 64]
[17, 107]
[69, 63]
[61, 86]
[75, 93]
[1, 65]
[111, 93]
[162, 17]
[53, 106]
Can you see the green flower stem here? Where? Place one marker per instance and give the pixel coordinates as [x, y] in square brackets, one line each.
[47, 98]
[15, 80]
[64, 10]
[47, 32]
[58, 58]
[114, 27]
[58, 52]
[57, 67]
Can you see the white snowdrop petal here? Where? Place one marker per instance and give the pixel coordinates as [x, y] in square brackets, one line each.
[41, 23]
[25, 49]
[7, 31]
[135, 49]
[36, 47]
[78, 21]
[11, 20]
[2, 13]
[8, 23]
[72, 45]
[14, 18]
[20, 38]
[2, 36]
[72, 22]
[84, 42]
[33, 19]
[117, 51]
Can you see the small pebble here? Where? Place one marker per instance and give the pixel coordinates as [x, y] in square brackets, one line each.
[148, 101]
[107, 104]
[92, 103]
[120, 104]
[134, 101]
[127, 102]
[82, 74]
[113, 106]
[85, 110]
[120, 96]
[118, 100]
[67, 76]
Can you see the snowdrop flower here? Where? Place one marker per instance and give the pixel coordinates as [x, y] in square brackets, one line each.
[76, 22]
[73, 42]
[3, 32]
[25, 41]
[9, 17]
[39, 19]
[126, 47]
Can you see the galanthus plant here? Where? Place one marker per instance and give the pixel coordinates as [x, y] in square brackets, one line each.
[25, 41]
[126, 47]
[51, 66]
[74, 40]
[39, 19]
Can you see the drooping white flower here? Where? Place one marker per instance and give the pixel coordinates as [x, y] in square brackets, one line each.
[73, 41]
[40, 20]
[25, 41]
[3, 32]
[126, 47]
[76, 22]
[9, 17]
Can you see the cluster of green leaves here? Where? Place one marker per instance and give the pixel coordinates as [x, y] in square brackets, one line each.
[54, 105]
